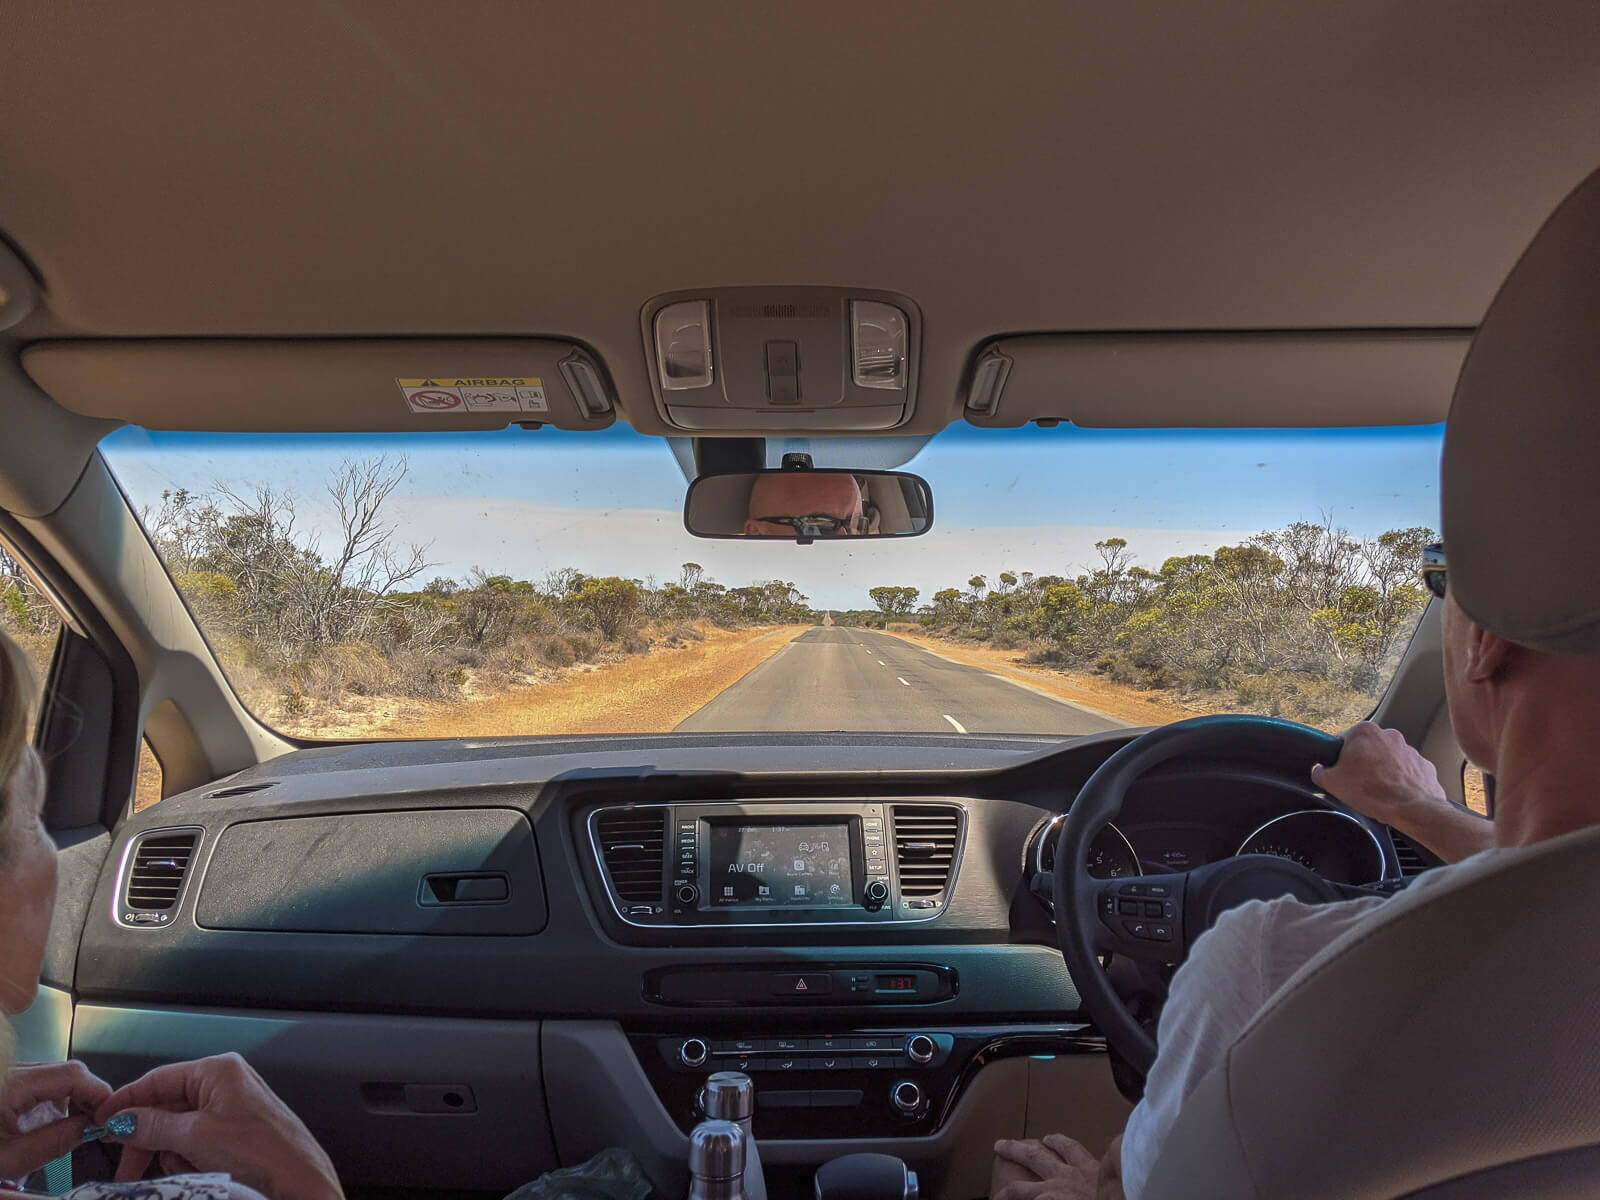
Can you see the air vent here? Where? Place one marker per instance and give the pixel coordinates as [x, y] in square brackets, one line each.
[633, 844]
[243, 789]
[925, 839]
[1413, 859]
[156, 872]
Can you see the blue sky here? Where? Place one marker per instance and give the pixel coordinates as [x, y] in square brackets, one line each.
[521, 502]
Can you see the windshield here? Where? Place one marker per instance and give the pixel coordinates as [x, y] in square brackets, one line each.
[536, 583]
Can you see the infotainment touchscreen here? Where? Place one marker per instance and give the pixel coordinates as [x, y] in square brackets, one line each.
[757, 864]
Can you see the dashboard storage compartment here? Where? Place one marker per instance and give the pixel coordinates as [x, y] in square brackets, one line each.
[428, 871]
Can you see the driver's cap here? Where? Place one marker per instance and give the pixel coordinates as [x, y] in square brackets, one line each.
[1521, 478]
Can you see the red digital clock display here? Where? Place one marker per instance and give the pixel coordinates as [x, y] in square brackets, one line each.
[897, 983]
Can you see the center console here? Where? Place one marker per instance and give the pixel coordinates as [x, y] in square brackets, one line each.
[845, 1083]
[774, 864]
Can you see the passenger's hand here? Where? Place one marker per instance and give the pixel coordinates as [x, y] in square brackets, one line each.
[1056, 1168]
[1380, 776]
[217, 1114]
[66, 1085]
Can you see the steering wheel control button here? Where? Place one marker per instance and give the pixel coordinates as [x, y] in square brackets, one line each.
[1154, 908]
[802, 987]
[694, 1053]
[906, 1098]
[1129, 908]
[920, 1048]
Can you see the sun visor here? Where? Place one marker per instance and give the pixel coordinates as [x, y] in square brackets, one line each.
[344, 386]
[1205, 380]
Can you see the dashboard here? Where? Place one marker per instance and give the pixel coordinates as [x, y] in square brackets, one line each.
[852, 919]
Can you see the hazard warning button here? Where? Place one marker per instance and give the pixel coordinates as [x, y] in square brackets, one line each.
[802, 986]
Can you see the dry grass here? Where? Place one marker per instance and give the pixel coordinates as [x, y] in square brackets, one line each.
[643, 693]
[1475, 790]
[147, 787]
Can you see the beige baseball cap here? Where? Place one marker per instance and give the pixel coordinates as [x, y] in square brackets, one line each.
[1521, 476]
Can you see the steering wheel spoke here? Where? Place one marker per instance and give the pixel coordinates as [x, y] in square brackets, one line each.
[1141, 918]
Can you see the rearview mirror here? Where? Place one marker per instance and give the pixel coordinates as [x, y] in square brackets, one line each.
[803, 504]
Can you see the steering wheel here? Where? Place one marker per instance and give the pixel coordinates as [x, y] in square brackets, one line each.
[1155, 918]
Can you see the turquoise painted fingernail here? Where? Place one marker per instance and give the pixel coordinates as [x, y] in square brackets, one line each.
[120, 1126]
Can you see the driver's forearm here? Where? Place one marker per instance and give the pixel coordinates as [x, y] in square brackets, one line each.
[1450, 832]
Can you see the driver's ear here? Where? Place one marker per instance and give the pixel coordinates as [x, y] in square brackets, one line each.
[1488, 654]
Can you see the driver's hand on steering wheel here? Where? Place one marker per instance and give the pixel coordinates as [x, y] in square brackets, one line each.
[1056, 1168]
[1380, 776]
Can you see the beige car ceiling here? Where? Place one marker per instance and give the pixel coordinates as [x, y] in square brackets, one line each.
[540, 171]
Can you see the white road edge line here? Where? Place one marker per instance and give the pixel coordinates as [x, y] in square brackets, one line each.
[960, 728]
[902, 681]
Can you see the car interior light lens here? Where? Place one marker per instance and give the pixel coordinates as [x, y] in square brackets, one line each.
[878, 344]
[683, 345]
[585, 383]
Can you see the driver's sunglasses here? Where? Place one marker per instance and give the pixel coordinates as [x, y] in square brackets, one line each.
[1433, 569]
[823, 525]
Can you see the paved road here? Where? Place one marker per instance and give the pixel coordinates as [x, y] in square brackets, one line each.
[835, 678]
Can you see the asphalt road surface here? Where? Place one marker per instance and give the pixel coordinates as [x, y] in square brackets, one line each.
[836, 678]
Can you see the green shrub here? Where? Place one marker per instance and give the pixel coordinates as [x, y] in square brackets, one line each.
[1158, 678]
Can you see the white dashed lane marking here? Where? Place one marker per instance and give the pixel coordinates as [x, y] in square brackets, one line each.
[902, 681]
[960, 728]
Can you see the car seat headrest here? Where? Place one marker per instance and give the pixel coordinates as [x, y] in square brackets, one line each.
[1521, 484]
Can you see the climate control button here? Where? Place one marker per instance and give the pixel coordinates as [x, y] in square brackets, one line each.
[920, 1048]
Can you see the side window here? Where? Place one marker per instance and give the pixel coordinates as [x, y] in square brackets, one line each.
[27, 614]
[30, 618]
[147, 785]
[1475, 789]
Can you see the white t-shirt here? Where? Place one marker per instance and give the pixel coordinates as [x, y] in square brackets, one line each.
[1233, 970]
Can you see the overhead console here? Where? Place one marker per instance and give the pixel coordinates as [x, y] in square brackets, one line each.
[752, 359]
[737, 865]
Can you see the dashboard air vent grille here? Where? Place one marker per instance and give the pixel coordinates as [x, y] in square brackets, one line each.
[633, 845]
[925, 839]
[156, 874]
[1413, 860]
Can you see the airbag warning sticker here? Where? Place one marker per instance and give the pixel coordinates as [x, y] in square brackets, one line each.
[516, 394]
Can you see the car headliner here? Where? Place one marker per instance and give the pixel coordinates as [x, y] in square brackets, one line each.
[334, 169]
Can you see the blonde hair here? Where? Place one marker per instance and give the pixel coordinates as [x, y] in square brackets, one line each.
[17, 693]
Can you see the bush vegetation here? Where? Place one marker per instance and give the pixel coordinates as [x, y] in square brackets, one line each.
[306, 627]
[1305, 622]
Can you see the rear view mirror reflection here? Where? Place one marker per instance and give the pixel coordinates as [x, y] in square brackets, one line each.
[804, 504]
